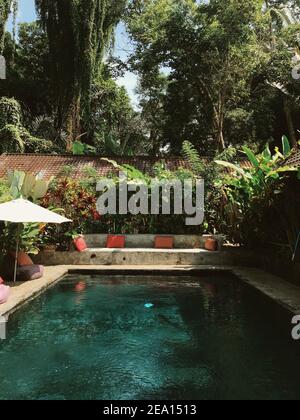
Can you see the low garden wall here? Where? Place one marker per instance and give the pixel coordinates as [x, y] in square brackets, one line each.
[147, 241]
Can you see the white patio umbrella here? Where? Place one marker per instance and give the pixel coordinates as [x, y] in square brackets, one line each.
[23, 211]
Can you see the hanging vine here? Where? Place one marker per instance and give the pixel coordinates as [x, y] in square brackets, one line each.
[14, 7]
[78, 33]
[5, 8]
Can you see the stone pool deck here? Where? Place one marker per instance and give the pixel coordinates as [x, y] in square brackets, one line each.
[279, 290]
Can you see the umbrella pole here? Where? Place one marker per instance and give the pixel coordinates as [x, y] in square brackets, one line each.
[296, 247]
[17, 254]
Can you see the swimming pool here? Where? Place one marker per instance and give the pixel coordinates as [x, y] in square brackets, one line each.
[115, 337]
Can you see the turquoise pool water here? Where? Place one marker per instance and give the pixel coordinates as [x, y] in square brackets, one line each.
[205, 337]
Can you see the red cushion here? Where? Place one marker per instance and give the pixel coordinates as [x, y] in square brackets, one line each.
[115, 241]
[1, 280]
[80, 244]
[164, 242]
[24, 260]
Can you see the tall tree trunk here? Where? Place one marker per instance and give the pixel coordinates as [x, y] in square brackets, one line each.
[218, 124]
[289, 119]
[73, 122]
[218, 115]
[155, 142]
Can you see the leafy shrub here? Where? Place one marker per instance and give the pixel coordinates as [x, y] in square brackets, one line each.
[14, 137]
[77, 203]
[11, 140]
[10, 112]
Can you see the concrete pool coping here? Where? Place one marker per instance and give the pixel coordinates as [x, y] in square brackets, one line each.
[284, 293]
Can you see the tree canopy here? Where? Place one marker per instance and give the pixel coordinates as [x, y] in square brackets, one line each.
[217, 73]
[220, 59]
[78, 32]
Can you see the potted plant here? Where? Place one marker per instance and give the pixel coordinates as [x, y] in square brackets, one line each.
[77, 240]
[211, 244]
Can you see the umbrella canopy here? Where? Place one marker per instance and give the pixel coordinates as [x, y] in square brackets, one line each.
[23, 211]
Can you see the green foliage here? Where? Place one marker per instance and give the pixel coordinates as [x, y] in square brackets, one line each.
[11, 140]
[230, 90]
[14, 137]
[66, 171]
[193, 158]
[10, 112]
[116, 128]
[205, 92]
[4, 191]
[28, 64]
[264, 167]
[27, 186]
[5, 7]
[78, 201]
[109, 122]
[133, 174]
[286, 148]
[78, 148]
[253, 190]
[38, 145]
[78, 35]
[19, 184]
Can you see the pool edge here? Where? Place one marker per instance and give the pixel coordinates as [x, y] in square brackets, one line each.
[282, 292]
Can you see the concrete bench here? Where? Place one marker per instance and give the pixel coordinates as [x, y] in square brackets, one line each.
[139, 251]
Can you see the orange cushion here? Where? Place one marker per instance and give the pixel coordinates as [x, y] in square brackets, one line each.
[24, 260]
[115, 241]
[80, 244]
[164, 242]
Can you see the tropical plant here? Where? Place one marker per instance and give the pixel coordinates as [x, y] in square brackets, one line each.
[193, 158]
[28, 186]
[78, 202]
[252, 190]
[265, 167]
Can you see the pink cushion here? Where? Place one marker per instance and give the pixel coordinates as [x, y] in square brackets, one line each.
[80, 244]
[4, 293]
[115, 241]
[30, 272]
